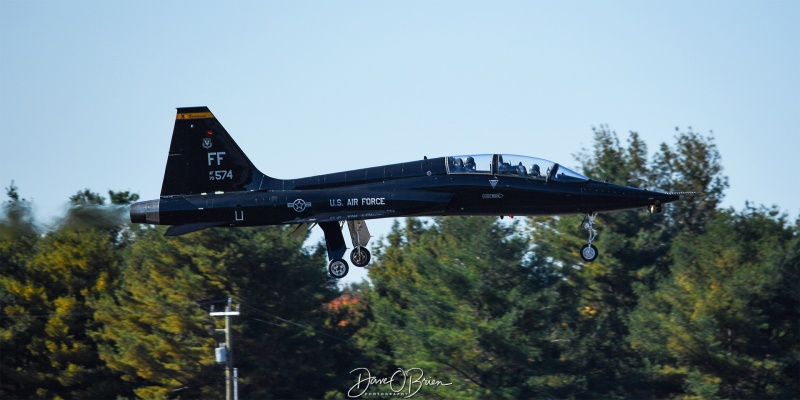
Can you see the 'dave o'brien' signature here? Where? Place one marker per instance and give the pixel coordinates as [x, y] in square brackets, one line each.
[407, 382]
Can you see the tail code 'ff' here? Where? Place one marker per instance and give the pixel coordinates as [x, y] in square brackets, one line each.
[203, 158]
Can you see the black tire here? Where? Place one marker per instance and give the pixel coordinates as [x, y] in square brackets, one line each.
[589, 252]
[338, 268]
[360, 257]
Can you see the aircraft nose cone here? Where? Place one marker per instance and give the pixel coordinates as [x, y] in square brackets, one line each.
[601, 196]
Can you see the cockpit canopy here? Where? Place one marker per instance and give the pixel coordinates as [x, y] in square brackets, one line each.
[512, 165]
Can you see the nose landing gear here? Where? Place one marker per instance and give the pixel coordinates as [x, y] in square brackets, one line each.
[589, 251]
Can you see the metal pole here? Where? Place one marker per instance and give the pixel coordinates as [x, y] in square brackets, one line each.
[230, 386]
[236, 384]
[229, 358]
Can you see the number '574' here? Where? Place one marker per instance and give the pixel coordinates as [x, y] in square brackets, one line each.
[219, 175]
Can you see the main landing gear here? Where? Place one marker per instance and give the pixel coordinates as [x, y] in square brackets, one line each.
[360, 256]
[334, 241]
[589, 251]
[338, 268]
[360, 236]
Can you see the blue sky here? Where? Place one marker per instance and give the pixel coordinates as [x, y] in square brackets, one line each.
[88, 89]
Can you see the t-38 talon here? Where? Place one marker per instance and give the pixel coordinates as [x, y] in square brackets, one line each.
[210, 182]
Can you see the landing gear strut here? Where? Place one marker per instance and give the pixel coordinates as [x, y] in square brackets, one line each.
[589, 251]
[334, 241]
[360, 235]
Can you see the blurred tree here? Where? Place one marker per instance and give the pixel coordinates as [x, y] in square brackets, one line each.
[693, 302]
[724, 324]
[122, 198]
[286, 347]
[47, 308]
[693, 165]
[87, 197]
[634, 250]
[456, 300]
[158, 333]
[18, 234]
[18, 239]
[153, 330]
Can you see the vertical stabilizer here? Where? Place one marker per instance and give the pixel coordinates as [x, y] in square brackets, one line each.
[203, 158]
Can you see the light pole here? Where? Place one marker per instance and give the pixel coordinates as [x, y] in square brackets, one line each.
[231, 388]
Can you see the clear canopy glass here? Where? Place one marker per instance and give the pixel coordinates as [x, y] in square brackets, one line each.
[474, 164]
[512, 165]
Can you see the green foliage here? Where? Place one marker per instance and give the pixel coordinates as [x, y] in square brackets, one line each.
[153, 330]
[47, 304]
[456, 300]
[18, 239]
[431, 309]
[16, 219]
[725, 321]
[288, 349]
[696, 302]
[693, 165]
[157, 331]
[12, 191]
[87, 197]
[122, 198]
[96, 309]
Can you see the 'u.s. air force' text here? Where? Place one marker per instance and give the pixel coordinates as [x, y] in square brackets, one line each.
[364, 201]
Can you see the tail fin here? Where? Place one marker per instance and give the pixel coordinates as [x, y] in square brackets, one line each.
[203, 158]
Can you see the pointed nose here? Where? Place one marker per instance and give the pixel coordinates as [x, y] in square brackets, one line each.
[664, 198]
[600, 196]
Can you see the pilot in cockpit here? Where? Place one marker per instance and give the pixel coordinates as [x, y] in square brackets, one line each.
[469, 165]
[504, 167]
[535, 170]
[459, 164]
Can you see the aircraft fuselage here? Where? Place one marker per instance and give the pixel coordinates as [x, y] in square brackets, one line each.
[417, 188]
[210, 182]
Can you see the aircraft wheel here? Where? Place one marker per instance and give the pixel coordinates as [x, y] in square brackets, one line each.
[589, 252]
[338, 268]
[360, 257]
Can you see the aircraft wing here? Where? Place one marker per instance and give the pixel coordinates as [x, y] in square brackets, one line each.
[178, 230]
[344, 216]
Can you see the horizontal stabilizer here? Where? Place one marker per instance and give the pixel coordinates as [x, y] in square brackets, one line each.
[178, 230]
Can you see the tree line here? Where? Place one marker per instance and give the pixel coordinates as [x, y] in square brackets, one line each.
[695, 302]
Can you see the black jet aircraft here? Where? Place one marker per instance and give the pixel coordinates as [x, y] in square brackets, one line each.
[210, 182]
